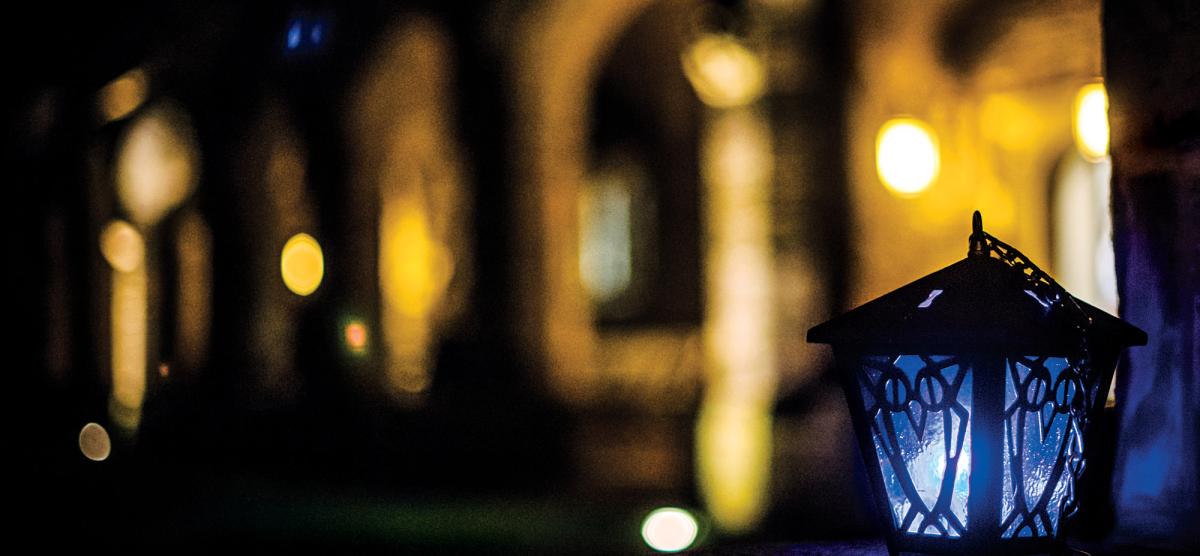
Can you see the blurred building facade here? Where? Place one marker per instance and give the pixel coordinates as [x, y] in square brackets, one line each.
[525, 250]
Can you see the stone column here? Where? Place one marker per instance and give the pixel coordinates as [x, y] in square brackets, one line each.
[1153, 77]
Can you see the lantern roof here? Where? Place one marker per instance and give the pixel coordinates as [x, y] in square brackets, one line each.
[994, 299]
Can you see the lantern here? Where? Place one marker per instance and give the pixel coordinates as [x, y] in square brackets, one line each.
[971, 391]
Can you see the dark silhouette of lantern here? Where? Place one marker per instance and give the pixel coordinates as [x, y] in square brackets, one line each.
[971, 391]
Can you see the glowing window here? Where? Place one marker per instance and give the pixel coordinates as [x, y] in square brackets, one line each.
[606, 241]
[1082, 233]
[1083, 251]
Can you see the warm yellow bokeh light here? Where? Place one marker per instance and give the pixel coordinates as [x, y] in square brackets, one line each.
[723, 71]
[123, 95]
[733, 445]
[302, 264]
[1091, 122]
[906, 156]
[129, 308]
[733, 463]
[415, 268]
[670, 529]
[156, 164]
[122, 246]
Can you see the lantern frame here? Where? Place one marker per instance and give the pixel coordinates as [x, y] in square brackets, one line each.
[1032, 353]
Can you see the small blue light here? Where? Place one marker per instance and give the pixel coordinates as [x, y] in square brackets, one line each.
[293, 36]
[929, 300]
[316, 33]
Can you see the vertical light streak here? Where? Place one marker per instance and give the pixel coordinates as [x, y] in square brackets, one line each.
[124, 249]
[193, 247]
[414, 270]
[734, 428]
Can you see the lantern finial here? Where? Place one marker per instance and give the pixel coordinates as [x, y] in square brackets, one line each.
[978, 243]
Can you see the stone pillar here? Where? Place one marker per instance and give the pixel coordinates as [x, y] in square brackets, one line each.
[1153, 78]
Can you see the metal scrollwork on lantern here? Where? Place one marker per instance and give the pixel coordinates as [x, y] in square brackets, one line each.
[971, 391]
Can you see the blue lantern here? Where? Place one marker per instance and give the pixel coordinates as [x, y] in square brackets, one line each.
[971, 391]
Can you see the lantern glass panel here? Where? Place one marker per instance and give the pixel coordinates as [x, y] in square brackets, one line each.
[919, 412]
[1045, 402]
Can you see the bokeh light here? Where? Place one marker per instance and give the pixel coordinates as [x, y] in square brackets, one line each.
[906, 156]
[1091, 122]
[734, 450]
[415, 268]
[194, 284]
[723, 71]
[302, 264]
[670, 529]
[94, 442]
[733, 444]
[124, 249]
[355, 336]
[129, 307]
[293, 34]
[123, 95]
[122, 246]
[156, 164]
